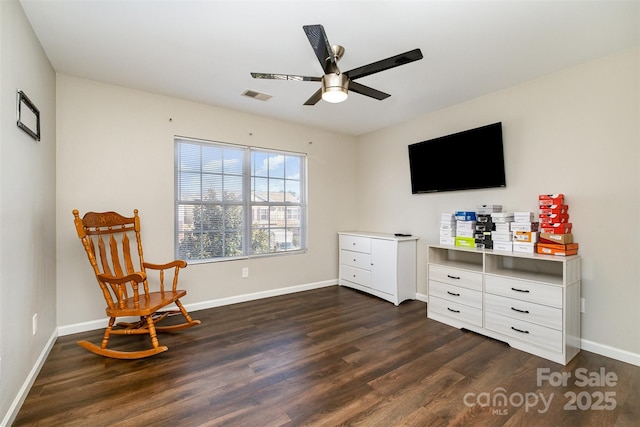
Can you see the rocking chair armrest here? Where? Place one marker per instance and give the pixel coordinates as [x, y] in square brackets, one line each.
[117, 280]
[177, 263]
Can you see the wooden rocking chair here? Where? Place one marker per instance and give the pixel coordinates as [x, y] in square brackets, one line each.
[124, 285]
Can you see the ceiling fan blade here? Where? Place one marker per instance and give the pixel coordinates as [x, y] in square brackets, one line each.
[314, 98]
[385, 64]
[285, 77]
[321, 46]
[367, 91]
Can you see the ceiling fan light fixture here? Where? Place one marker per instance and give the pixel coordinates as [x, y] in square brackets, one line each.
[335, 87]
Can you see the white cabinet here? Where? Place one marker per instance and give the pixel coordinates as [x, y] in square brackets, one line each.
[380, 264]
[530, 301]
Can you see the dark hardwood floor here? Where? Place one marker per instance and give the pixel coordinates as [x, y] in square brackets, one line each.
[326, 357]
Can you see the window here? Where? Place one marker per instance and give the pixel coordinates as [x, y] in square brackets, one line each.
[236, 201]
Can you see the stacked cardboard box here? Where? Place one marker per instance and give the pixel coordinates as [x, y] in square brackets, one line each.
[501, 235]
[465, 228]
[556, 237]
[447, 228]
[485, 225]
[525, 232]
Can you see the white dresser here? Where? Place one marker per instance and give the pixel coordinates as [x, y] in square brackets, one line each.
[380, 264]
[530, 301]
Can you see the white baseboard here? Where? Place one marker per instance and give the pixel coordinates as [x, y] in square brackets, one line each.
[203, 305]
[612, 352]
[12, 413]
[421, 297]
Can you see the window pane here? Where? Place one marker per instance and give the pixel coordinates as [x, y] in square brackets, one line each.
[292, 167]
[189, 155]
[276, 166]
[259, 190]
[233, 188]
[211, 187]
[259, 164]
[189, 186]
[211, 159]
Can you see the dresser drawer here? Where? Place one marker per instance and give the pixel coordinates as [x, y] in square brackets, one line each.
[355, 243]
[524, 290]
[460, 312]
[550, 339]
[355, 259]
[457, 277]
[456, 294]
[529, 312]
[356, 275]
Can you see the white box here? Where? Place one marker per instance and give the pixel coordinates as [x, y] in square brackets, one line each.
[447, 232]
[525, 226]
[447, 216]
[487, 209]
[498, 236]
[502, 217]
[465, 233]
[503, 246]
[466, 225]
[447, 240]
[503, 227]
[451, 225]
[529, 248]
[524, 216]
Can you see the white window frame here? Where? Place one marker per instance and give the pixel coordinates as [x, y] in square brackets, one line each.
[249, 206]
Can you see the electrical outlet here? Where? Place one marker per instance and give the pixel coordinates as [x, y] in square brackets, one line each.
[583, 306]
[245, 272]
[34, 324]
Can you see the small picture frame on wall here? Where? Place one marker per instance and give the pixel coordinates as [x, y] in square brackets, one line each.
[28, 116]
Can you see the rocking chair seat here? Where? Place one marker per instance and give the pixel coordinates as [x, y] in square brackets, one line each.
[147, 305]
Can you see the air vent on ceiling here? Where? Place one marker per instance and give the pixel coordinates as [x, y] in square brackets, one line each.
[256, 95]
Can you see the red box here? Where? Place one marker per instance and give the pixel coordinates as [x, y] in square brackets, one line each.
[556, 228]
[551, 199]
[554, 209]
[553, 219]
[561, 250]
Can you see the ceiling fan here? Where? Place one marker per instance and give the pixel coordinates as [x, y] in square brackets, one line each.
[335, 83]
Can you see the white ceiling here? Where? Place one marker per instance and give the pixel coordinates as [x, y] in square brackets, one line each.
[204, 50]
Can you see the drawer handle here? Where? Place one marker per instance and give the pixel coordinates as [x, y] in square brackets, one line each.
[452, 293]
[519, 330]
[354, 260]
[526, 291]
[520, 311]
[453, 277]
[451, 309]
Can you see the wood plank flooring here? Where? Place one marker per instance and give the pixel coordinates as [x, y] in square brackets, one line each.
[326, 357]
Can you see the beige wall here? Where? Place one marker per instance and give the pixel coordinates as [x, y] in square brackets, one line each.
[116, 152]
[27, 208]
[574, 132]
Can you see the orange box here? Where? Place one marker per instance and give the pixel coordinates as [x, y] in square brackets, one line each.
[557, 239]
[554, 209]
[561, 250]
[525, 236]
[556, 228]
[553, 219]
[551, 199]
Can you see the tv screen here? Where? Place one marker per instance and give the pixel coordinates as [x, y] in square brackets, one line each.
[465, 160]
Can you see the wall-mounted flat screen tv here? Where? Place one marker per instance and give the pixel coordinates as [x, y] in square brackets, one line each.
[465, 160]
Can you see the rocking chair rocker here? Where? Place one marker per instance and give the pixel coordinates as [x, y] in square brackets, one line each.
[127, 291]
